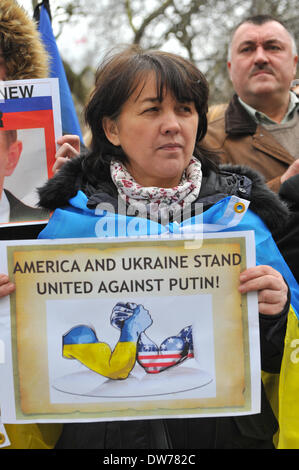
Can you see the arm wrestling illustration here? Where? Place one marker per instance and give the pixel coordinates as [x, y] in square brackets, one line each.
[132, 320]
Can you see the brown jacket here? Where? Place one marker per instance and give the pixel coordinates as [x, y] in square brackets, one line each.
[240, 141]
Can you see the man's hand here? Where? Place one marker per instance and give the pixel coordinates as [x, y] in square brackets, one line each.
[291, 171]
[6, 287]
[69, 148]
[271, 287]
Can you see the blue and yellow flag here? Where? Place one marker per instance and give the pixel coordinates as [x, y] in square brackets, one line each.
[78, 221]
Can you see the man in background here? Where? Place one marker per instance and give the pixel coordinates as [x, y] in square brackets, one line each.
[260, 127]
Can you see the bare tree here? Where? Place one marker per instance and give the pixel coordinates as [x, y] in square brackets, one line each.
[197, 29]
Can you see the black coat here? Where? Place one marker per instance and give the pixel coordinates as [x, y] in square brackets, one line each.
[254, 431]
[288, 243]
[20, 212]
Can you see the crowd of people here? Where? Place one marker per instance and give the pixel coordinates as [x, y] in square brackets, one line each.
[148, 118]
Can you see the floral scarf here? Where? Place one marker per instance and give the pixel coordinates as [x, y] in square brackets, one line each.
[158, 203]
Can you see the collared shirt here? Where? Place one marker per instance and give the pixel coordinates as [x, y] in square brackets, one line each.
[261, 118]
[4, 209]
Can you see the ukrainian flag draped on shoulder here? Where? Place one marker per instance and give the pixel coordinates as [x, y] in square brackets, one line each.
[76, 221]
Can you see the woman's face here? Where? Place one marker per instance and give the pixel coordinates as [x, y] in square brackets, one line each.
[157, 138]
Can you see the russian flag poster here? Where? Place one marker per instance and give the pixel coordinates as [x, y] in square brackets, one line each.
[30, 124]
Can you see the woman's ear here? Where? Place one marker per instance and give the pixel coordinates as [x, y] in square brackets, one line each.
[111, 130]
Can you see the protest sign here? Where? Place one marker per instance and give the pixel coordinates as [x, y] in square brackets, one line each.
[30, 124]
[127, 329]
[4, 440]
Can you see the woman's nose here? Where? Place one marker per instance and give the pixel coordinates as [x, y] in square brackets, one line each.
[170, 124]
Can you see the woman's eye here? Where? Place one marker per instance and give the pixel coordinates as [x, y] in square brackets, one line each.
[185, 108]
[152, 109]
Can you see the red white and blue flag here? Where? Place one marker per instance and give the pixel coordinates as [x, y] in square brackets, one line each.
[172, 351]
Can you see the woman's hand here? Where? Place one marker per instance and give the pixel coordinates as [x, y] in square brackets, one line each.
[6, 287]
[69, 148]
[271, 287]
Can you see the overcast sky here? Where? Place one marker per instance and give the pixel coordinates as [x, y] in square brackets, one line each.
[73, 40]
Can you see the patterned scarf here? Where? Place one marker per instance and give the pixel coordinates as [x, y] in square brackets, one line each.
[158, 203]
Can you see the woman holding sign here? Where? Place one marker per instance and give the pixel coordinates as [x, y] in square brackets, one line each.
[147, 116]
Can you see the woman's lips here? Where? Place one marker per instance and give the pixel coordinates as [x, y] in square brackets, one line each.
[170, 146]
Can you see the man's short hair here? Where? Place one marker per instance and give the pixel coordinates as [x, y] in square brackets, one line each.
[260, 20]
[10, 136]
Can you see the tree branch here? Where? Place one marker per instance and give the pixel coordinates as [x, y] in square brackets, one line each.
[130, 15]
[150, 18]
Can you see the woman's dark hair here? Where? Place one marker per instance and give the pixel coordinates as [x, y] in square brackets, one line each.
[116, 80]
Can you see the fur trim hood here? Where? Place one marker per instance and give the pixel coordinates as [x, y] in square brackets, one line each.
[264, 202]
[23, 51]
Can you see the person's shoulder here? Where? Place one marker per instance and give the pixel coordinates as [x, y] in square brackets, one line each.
[216, 134]
[289, 191]
[216, 112]
[20, 212]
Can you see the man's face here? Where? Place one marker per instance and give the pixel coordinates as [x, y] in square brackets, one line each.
[4, 149]
[9, 156]
[262, 63]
